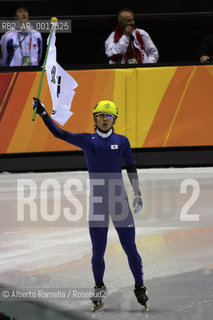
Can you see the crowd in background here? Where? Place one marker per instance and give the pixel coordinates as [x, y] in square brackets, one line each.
[127, 44]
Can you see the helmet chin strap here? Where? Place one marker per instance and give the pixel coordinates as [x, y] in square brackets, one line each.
[104, 134]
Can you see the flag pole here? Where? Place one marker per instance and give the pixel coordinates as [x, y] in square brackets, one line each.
[53, 20]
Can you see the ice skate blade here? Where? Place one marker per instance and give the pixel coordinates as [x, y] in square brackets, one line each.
[146, 307]
[97, 306]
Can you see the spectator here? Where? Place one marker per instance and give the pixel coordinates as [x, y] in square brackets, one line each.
[128, 44]
[206, 49]
[21, 47]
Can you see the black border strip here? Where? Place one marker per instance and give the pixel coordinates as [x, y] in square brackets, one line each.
[76, 152]
[85, 67]
[75, 160]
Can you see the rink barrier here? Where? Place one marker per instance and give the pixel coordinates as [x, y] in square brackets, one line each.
[75, 160]
[172, 127]
[24, 310]
[158, 107]
[15, 305]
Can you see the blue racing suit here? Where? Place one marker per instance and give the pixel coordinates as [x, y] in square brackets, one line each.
[104, 160]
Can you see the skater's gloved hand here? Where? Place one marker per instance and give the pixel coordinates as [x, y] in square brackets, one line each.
[40, 107]
[137, 203]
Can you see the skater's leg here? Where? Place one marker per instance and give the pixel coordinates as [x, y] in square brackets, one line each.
[98, 237]
[127, 239]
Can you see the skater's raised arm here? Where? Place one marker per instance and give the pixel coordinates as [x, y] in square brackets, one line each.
[78, 139]
[56, 131]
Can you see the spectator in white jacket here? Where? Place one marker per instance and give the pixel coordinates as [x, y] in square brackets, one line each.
[21, 47]
[128, 44]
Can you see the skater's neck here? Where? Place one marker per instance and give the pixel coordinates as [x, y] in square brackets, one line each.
[103, 134]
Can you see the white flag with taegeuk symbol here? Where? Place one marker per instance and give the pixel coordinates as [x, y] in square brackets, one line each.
[61, 85]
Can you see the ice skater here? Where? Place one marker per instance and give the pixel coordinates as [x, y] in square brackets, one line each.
[104, 151]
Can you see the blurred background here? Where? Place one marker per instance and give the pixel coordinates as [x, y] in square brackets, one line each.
[176, 27]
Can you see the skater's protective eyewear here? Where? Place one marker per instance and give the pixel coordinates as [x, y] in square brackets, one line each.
[105, 115]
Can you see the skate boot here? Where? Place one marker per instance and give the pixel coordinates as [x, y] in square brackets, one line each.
[141, 296]
[99, 294]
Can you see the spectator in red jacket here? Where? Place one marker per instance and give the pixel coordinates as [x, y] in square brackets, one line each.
[128, 44]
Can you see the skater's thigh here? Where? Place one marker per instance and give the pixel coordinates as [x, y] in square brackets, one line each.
[98, 236]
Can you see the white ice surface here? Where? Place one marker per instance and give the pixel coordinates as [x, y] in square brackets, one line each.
[177, 255]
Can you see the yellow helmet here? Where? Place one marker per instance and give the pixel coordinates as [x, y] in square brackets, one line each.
[106, 106]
